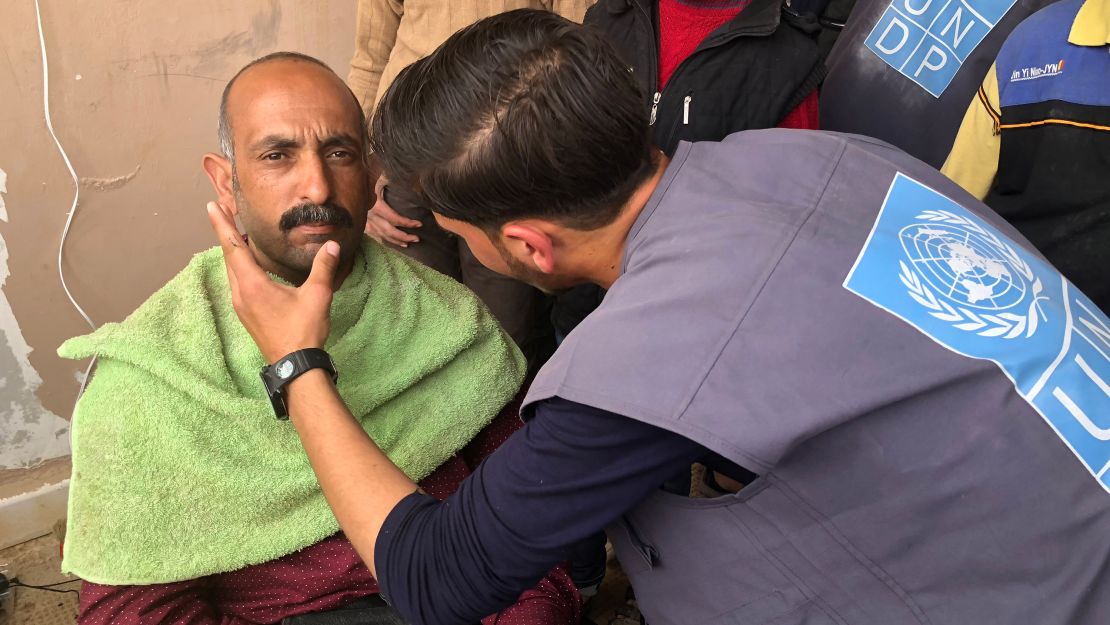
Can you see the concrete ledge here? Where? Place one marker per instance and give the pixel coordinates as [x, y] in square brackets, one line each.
[32, 514]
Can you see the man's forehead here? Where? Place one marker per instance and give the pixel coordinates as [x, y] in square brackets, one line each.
[283, 95]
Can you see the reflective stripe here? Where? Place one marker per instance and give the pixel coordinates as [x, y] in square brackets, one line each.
[995, 115]
[1055, 121]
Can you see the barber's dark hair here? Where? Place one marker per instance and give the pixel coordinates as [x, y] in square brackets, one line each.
[223, 126]
[523, 114]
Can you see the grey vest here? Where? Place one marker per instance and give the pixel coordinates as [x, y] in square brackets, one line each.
[924, 398]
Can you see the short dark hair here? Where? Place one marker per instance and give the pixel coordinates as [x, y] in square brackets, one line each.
[223, 126]
[523, 114]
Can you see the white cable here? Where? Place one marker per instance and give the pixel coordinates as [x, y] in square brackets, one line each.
[76, 186]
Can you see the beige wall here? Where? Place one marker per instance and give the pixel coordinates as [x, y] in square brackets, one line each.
[134, 88]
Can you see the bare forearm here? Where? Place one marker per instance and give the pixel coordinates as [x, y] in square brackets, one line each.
[359, 481]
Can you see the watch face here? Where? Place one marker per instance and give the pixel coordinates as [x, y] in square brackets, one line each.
[285, 369]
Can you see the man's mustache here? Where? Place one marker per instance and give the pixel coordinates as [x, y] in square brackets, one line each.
[309, 213]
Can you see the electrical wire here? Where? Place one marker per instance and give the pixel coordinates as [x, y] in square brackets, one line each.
[76, 187]
[69, 165]
[47, 587]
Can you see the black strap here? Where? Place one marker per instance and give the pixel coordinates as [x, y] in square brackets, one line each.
[277, 376]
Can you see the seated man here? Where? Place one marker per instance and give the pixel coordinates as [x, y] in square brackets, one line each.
[190, 503]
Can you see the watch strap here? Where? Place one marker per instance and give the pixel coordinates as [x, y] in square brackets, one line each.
[277, 376]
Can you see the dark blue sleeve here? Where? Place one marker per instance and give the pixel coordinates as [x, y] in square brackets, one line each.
[570, 471]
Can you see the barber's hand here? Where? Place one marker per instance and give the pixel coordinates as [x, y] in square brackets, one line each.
[383, 222]
[281, 319]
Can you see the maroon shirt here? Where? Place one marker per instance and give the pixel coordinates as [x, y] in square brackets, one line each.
[323, 576]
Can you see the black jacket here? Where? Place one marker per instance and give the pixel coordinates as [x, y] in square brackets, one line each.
[749, 73]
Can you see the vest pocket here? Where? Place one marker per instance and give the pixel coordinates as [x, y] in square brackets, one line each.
[761, 556]
[693, 562]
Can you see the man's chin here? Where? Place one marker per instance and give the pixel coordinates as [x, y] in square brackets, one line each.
[300, 258]
[310, 244]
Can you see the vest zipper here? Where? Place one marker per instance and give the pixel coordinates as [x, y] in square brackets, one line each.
[686, 110]
[653, 60]
[654, 107]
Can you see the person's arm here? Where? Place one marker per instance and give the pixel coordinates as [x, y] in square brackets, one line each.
[973, 161]
[376, 27]
[555, 600]
[359, 481]
[180, 603]
[569, 472]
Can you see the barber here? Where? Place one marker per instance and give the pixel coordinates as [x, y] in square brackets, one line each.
[914, 398]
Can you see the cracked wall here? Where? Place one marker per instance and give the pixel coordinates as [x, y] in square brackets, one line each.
[29, 433]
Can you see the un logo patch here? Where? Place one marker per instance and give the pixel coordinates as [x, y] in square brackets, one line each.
[967, 275]
[967, 286]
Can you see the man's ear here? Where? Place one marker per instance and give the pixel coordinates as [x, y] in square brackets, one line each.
[218, 169]
[531, 243]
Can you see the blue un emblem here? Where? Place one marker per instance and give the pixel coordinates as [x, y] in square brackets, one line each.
[928, 41]
[982, 282]
[967, 286]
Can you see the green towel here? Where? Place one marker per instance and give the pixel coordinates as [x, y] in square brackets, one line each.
[180, 469]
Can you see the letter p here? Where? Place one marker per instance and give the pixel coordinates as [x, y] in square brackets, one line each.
[935, 59]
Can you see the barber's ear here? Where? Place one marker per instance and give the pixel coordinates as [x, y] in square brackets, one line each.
[530, 243]
[218, 169]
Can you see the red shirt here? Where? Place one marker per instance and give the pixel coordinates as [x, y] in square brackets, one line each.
[684, 24]
[324, 576]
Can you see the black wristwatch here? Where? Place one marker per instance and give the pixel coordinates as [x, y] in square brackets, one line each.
[276, 376]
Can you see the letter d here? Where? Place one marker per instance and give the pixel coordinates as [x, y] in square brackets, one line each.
[905, 35]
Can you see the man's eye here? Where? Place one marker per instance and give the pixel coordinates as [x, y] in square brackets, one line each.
[273, 156]
[340, 154]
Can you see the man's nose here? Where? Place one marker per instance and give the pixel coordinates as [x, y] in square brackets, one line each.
[314, 179]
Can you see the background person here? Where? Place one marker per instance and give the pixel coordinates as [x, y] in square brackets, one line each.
[876, 87]
[1034, 140]
[707, 69]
